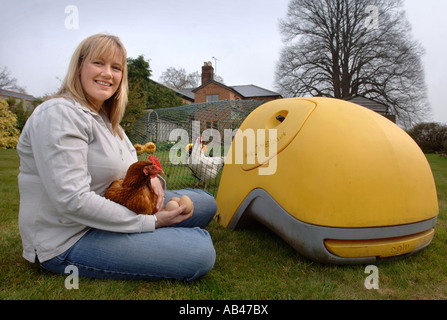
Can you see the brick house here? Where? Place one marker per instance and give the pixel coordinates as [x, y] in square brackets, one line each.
[219, 115]
[212, 91]
[18, 97]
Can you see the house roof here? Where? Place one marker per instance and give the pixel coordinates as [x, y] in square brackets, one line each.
[251, 90]
[18, 95]
[247, 91]
[369, 103]
[187, 93]
[209, 82]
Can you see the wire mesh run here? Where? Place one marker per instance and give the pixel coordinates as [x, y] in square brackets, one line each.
[173, 136]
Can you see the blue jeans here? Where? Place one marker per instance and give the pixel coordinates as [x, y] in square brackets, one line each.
[182, 252]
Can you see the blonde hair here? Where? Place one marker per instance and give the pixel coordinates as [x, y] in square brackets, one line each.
[97, 46]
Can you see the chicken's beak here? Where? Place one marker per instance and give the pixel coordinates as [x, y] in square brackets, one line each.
[160, 170]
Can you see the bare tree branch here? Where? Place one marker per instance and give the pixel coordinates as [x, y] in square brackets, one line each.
[9, 83]
[331, 50]
[179, 79]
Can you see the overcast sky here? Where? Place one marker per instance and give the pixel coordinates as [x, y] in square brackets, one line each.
[240, 37]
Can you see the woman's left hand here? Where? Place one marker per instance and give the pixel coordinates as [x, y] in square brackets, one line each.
[158, 190]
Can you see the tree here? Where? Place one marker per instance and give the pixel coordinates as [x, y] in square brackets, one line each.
[430, 136]
[138, 81]
[138, 69]
[9, 83]
[344, 48]
[144, 93]
[21, 114]
[179, 79]
[162, 97]
[137, 103]
[9, 134]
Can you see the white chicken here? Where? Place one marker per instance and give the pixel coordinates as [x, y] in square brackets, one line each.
[203, 167]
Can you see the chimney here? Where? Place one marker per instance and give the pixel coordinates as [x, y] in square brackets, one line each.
[207, 72]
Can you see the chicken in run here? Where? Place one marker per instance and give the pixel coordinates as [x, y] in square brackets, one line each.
[134, 191]
[203, 167]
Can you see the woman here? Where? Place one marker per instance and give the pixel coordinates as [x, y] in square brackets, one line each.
[71, 149]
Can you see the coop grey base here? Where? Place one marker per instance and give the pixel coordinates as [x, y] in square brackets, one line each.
[308, 239]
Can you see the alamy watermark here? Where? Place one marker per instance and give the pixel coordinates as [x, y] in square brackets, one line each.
[72, 281]
[72, 19]
[251, 146]
[372, 281]
[372, 20]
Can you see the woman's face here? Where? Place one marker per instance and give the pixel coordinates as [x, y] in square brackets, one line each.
[101, 77]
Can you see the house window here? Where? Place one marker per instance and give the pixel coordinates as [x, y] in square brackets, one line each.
[212, 124]
[212, 98]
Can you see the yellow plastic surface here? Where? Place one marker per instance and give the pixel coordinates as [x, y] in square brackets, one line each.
[383, 248]
[337, 165]
[285, 131]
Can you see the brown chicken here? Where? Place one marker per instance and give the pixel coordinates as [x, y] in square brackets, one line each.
[135, 191]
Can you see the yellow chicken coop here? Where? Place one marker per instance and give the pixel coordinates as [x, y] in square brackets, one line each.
[338, 182]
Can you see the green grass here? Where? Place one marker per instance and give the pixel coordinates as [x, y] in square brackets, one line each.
[251, 264]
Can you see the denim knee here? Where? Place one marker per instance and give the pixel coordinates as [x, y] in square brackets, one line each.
[205, 257]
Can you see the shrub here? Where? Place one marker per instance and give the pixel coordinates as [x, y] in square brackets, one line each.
[9, 134]
[431, 137]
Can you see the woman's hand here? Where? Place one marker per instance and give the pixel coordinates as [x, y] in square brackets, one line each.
[169, 218]
[158, 190]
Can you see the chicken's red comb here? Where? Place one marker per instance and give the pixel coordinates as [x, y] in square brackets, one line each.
[154, 160]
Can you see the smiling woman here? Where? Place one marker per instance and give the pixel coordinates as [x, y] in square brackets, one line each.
[71, 149]
[100, 78]
[99, 58]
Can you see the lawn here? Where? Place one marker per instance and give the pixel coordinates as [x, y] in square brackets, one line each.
[251, 264]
